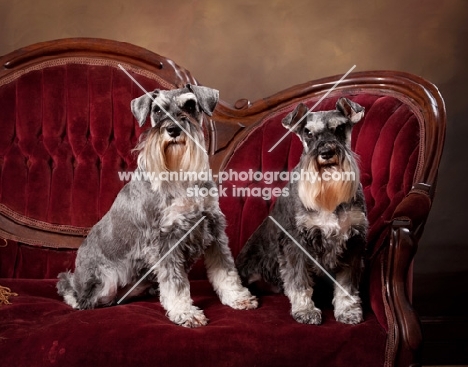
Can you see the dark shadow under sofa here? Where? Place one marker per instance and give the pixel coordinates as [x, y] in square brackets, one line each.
[66, 130]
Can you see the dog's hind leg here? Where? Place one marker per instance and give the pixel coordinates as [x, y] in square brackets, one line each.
[250, 259]
[94, 288]
[65, 289]
[298, 285]
[78, 295]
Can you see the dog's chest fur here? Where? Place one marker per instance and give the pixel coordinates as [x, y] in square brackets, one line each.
[332, 224]
[325, 234]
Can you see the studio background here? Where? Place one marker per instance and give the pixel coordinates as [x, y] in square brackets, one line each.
[253, 49]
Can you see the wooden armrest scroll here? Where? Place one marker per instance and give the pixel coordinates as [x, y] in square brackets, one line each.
[406, 328]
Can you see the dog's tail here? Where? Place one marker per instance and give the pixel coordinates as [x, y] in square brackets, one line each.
[66, 290]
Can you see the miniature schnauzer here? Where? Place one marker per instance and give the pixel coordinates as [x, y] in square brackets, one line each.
[326, 217]
[149, 216]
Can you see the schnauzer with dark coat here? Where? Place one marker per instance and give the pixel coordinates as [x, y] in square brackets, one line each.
[325, 214]
[150, 216]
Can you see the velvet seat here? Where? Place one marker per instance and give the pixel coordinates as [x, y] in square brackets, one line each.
[66, 131]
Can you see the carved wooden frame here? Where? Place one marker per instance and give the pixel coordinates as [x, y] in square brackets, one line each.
[231, 124]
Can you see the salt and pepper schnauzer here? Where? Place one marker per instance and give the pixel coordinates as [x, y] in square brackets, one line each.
[326, 217]
[150, 216]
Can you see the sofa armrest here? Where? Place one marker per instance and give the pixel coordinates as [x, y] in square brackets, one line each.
[415, 207]
[405, 338]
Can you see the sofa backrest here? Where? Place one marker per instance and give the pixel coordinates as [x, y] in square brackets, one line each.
[386, 141]
[66, 131]
[398, 143]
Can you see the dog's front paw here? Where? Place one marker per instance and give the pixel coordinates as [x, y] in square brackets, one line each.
[350, 315]
[239, 300]
[245, 303]
[311, 316]
[191, 319]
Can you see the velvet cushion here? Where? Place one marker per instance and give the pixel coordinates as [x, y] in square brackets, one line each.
[38, 329]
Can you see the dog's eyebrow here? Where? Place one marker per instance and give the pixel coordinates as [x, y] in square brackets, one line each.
[334, 122]
[161, 100]
[314, 123]
[186, 97]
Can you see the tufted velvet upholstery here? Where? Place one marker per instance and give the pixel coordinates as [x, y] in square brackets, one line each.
[66, 131]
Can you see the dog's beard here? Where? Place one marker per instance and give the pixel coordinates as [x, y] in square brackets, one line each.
[320, 194]
[157, 156]
[176, 156]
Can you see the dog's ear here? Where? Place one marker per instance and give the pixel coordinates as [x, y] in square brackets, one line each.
[293, 117]
[207, 98]
[141, 106]
[350, 109]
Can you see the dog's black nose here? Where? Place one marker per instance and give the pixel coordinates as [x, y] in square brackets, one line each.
[173, 131]
[327, 151]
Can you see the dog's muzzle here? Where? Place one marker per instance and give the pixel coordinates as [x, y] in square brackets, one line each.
[173, 131]
[327, 154]
[174, 136]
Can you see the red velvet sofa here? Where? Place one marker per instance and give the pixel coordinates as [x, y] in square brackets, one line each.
[66, 130]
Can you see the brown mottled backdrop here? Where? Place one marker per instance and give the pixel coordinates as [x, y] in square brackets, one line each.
[252, 49]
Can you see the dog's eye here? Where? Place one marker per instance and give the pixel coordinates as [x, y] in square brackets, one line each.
[339, 129]
[308, 132]
[156, 109]
[190, 106]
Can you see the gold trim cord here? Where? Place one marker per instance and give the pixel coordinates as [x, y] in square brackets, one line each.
[5, 293]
